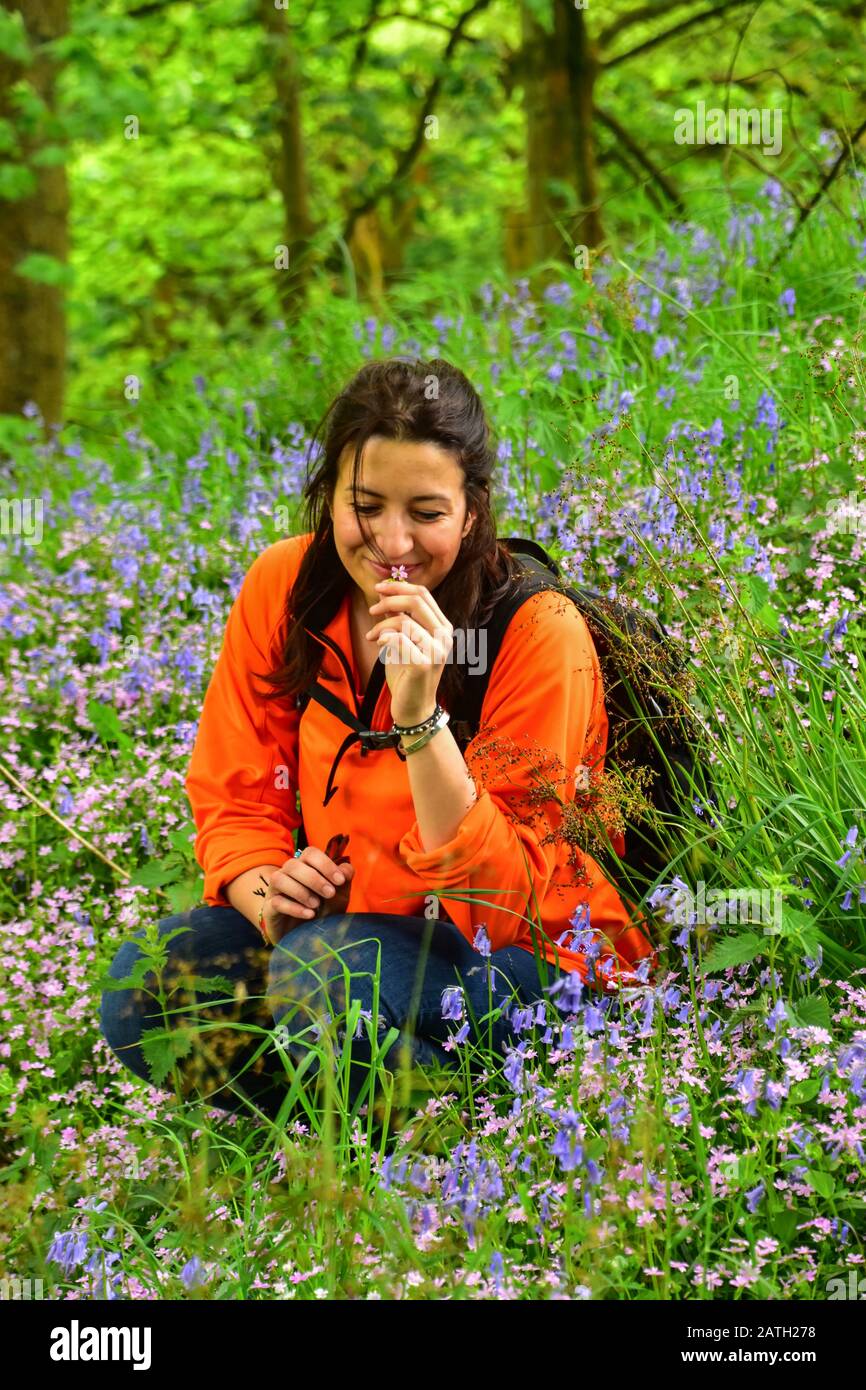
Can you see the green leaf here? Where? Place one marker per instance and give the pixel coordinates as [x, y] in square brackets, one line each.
[803, 926]
[157, 873]
[783, 1224]
[811, 1012]
[206, 984]
[136, 979]
[822, 1183]
[768, 617]
[8, 137]
[734, 950]
[840, 471]
[13, 37]
[46, 270]
[755, 592]
[805, 1090]
[16, 181]
[161, 1050]
[48, 156]
[185, 894]
[105, 721]
[180, 841]
[542, 13]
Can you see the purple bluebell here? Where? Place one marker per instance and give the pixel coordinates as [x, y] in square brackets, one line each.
[68, 1249]
[193, 1274]
[568, 1150]
[593, 1019]
[787, 300]
[513, 1069]
[452, 1003]
[755, 1197]
[481, 941]
[777, 1015]
[569, 989]
[747, 1088]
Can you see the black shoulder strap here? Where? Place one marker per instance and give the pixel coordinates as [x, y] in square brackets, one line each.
[540, 572]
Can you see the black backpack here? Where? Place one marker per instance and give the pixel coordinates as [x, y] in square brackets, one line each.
[645, 677]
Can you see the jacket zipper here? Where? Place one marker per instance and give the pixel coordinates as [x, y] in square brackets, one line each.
[339, 653]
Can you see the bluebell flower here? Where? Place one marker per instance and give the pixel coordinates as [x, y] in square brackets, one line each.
[848, 843]
[787, 300]
[452, 1002]
[580, 918]
[648, 1008]
[593, 1019]
[776, 1015]
[387, 1175]
[569, 988]
[755, 1197]
[68, 1249]
[679, 1108]
[567, 1149]
[481, 942]
[748, 1089]
[513, 1069]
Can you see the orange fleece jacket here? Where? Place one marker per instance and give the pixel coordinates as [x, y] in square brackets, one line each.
[251, 756]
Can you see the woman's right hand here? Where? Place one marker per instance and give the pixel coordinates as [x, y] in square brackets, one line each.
[313, 885]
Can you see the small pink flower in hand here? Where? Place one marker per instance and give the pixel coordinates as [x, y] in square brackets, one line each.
[399, 572]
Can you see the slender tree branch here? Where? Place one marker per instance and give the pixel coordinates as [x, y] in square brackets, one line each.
[675, 29]
[615, 152]
[828, 180]
[639, 154]
[153, 7]
[359, 57]
[640, 15]
[410, 154]
[762, 169]
[792, 89]
[361, 31]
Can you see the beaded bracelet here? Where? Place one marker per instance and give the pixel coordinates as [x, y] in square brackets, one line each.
[444, 716]
[418, 728]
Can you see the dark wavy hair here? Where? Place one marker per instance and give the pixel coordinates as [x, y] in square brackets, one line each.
[420, 402]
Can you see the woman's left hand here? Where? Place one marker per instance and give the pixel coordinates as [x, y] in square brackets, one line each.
[418, 638]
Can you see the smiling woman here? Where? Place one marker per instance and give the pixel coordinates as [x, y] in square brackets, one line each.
[414, 516]
[439, 869]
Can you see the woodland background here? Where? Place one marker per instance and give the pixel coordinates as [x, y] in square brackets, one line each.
[175, 177]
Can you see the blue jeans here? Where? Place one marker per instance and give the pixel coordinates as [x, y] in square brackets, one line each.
[297, 984]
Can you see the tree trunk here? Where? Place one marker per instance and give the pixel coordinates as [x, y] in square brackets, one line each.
[559, 71]
[33, 314]
[582, 66]
[379, 237]
[290, 175]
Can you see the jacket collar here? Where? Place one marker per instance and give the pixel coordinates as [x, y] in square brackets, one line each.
[336, 637]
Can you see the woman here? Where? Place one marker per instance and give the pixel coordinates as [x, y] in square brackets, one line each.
[399, 557]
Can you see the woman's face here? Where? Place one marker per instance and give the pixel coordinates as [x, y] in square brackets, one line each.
[412, 503]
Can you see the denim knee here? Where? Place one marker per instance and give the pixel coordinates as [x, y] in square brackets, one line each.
[121, 1012]
[304, 971]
